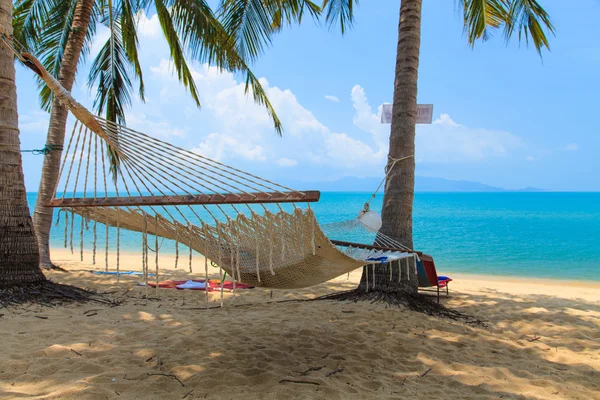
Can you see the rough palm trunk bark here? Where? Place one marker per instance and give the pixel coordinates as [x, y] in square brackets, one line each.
[42, 217]
[399, 188]
[19, 259]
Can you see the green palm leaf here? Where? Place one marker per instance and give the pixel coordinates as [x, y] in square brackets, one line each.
[203, 36]
[339, 11]
[482, 16]
[109, 72]
[29, 17]
[49, 41]
[524, 17]
[169, 30]
[252, 23]
[260, 97]
[529, 20]
[206, 40]
[130, 40]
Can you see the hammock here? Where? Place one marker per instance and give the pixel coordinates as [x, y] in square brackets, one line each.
[251, 227]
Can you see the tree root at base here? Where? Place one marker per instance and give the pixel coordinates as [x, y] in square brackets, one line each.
[413, 302]
[48, 293]
[52, 267]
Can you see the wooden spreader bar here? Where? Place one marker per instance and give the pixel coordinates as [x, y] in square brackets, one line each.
[370, 247]
[308, 196]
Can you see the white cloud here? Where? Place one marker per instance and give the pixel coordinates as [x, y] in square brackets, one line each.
[364, 118]
[242, 131]
[102, 36]
[149, 27]
[153, 126]
[221, 147]
[572, 147]
[445, 120]
[297, 119]
[447, 141]
[532, 158]
[443, 141]
[287, 162]
[34, 122]
[232, 128]
[370, 122]
[348, 152]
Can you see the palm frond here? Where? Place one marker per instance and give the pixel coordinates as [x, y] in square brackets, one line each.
[110, 73]
[529, 20]
[249, 23]
[130, 39]
[260, 97]
[50, 39]
[288, 12]
[200, 32]
[524, 17]
[205, 38]
[91, 32]
[252, 23]
[29, 17]
[183, 71]
[480, 17]
[339, 11]
[111, 69]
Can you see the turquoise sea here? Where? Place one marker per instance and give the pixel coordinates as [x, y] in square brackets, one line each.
[547, 235]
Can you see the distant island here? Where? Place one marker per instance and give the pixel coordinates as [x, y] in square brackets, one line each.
[422, 184]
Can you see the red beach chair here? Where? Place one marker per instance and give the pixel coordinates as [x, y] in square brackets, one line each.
[428, 276]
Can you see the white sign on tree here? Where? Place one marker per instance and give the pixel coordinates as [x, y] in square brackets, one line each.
[424, 113]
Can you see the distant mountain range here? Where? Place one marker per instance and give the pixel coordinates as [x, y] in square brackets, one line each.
[422, 184]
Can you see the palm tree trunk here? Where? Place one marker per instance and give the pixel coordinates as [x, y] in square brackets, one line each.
[19, 258]
[42, 217]
[400, 186]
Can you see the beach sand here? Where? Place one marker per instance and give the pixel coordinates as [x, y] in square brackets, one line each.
[542, 341]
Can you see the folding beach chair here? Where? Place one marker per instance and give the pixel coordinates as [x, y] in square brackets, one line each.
[428, 277]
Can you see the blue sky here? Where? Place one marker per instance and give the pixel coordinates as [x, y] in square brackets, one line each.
[504, 116]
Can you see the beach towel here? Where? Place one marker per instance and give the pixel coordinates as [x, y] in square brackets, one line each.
[118, 273]
[192, 285]
[213, 285]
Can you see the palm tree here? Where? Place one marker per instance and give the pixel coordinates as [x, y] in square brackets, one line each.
[525, 18]
[63, 25]
[18, 250]
[61, 33]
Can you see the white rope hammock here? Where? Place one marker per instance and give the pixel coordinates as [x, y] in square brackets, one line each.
[250, 227]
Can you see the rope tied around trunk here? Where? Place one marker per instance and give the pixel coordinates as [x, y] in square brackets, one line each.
[47, 149]
[388, 169]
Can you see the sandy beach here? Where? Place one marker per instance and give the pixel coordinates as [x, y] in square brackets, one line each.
[542, 341]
